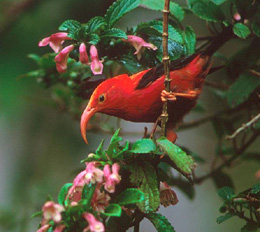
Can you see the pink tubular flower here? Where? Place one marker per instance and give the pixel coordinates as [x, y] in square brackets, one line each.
[139, 45]
[96, 64]
[111, 178]
[43, 228]
[62, 58]
[55, 41]
[167, 196]
[93, 224]
[83, 56]
[52, 211]
[94, 174]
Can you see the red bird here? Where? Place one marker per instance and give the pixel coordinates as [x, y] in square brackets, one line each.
[138, 98]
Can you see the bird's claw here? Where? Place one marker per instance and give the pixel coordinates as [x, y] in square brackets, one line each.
[168, 96]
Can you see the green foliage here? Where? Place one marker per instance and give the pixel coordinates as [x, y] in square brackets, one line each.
[256, 28]
[118, 9]
[160, 222]
[226, 193]
[72, 27]
[175, 10]
[240, 91]
[130, 196]
[189, 40]
[63, 193]
[95, 24]
[87, 194]
[143, 146]
[221, 219]
[241, 30]
[113, 210]
[207, 10]
[184, 162]
[144, 177]
[255, 189]
[115, 33]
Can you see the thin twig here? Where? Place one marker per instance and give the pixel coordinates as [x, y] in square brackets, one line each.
[166, 59]
[244, 127]
[255, 73]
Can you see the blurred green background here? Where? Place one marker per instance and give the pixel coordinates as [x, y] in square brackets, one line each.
[41, 147]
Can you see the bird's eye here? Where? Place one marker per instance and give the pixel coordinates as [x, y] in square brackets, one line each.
[101, 98]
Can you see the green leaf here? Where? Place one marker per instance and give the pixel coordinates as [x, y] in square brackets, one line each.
[72, 27]
[113, 210]
[189, 40]
[158, 5]
[93, 39]
[218, 2]
[249, 227]
[96, 23]
[130, 196]
[160, 222]
[114, 33]
[224, 217]
[63, 193]
[143, 146]
[114, 143]
[118, 9]
[256, 27]
[37, 214]
[255, 189]
[241, 30]
[87, 194]
[130, 64]
[184, 162]
[242, 89]
[207, 10]
[35, 58]
[144, 177]
[226, 193]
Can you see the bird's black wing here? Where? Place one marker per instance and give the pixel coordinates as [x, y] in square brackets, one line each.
[156, 72]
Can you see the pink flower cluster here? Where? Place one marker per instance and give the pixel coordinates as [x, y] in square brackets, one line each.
[104, 179]
[56, 40]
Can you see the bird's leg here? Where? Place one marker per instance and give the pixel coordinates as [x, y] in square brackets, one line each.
[171, 96]
[154, 127]
[168, 96]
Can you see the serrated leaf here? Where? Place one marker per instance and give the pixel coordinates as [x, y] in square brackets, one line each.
[144, 177]
[189, 40]
[37, 214]
[184, 162]
[113, 210]
[96, 23]
[207, 10]
[130, 196]
[160, 222]
[249, 227]
[241, 30]
[226, 193]
[242, 89]
[63, 193]
[72, 27]
[158, 5]
[114, 142]
[143, 146]
[93, 39]
[225, 217]
[256, 27]
[255, 189]
[114, 33]
[118, 9]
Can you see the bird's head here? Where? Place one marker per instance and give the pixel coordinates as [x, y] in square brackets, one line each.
[107, 98]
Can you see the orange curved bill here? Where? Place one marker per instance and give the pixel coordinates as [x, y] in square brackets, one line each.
[87, 114]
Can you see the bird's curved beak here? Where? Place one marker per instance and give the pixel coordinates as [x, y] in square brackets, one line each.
[87, 114]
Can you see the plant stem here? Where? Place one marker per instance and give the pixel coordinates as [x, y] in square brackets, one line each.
[166, 59]
[136, 227]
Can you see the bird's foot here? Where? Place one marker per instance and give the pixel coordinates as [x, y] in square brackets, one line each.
[190, 95]
[168, 96]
